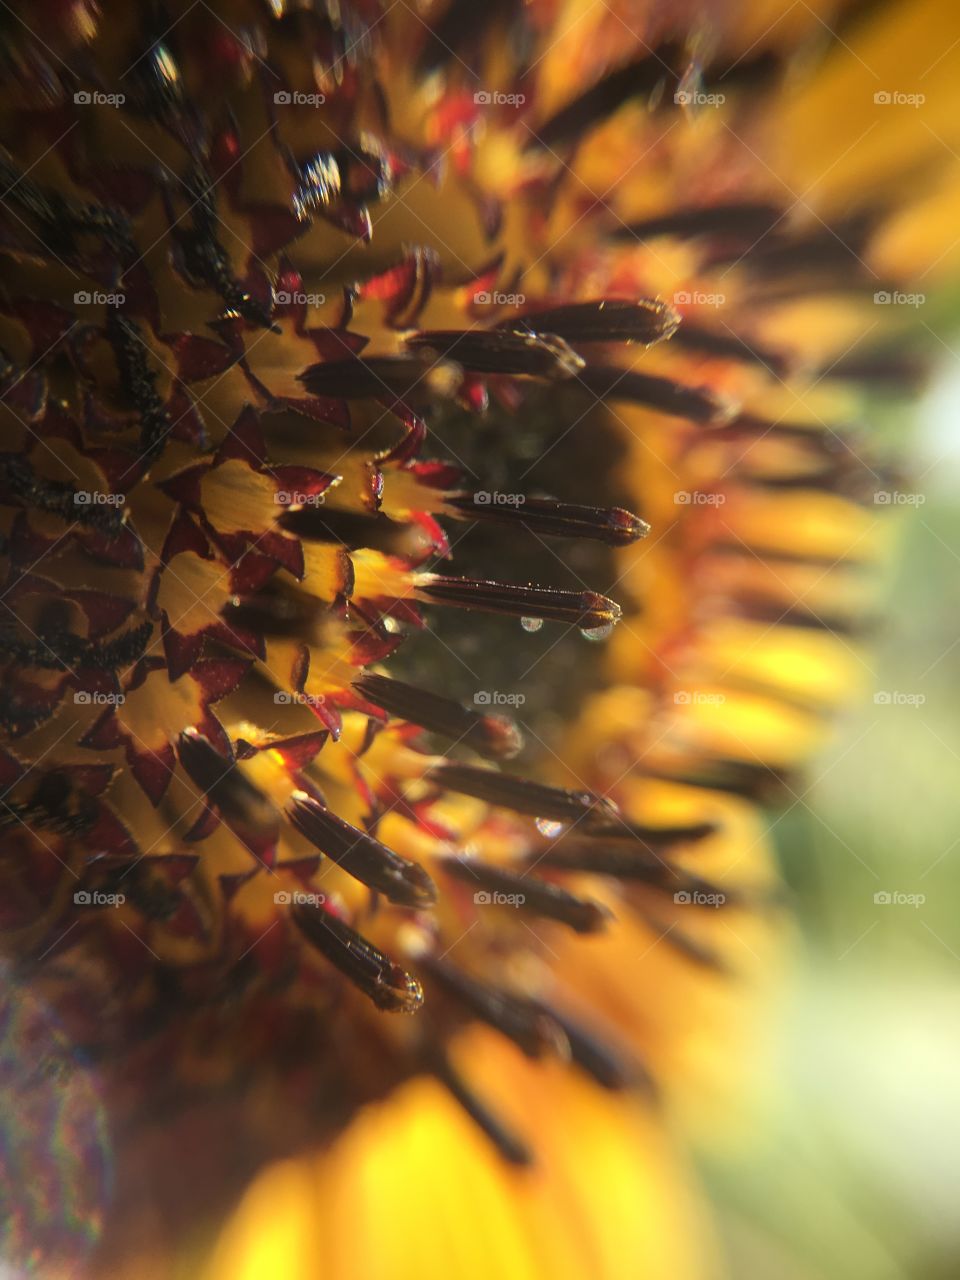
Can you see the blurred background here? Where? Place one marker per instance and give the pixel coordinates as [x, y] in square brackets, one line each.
[852, 1171]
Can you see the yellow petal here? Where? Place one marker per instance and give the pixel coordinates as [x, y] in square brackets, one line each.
[413, 1191]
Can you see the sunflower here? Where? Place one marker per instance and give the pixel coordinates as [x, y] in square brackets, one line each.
[435, 524]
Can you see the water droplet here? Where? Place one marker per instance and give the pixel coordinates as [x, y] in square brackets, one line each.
[531, 624]
[392, 625]
[597, 633]
[549, 828]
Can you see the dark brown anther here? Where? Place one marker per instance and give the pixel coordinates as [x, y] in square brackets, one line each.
[549, 518]
[495, 886]
[275, 611]
[523, 796]
[696, 337]
[244, 807]
[645, 320]
[534, 355]
[516, 1017]
[584, 609]
[699, 404]
[856, 562]
[760, 609]
[766, 784]
[375, 376]
[837, 251]
[608, 1065]
[686, 945]
[632, 863]
[459, 34]
[624, 861]
[509, 1146]
[905, 372]
[360, 855]
[655, 837]
[351, 529]
[491, 735]
[389, 986]
[745, 220]
[640, 78]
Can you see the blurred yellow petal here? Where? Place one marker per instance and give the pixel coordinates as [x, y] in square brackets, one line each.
[413, 1191]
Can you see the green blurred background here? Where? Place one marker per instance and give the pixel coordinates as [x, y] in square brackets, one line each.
[853, 1168]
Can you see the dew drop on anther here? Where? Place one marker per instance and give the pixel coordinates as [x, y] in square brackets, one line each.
[531, 624]
[597, 633]
[549, 828]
